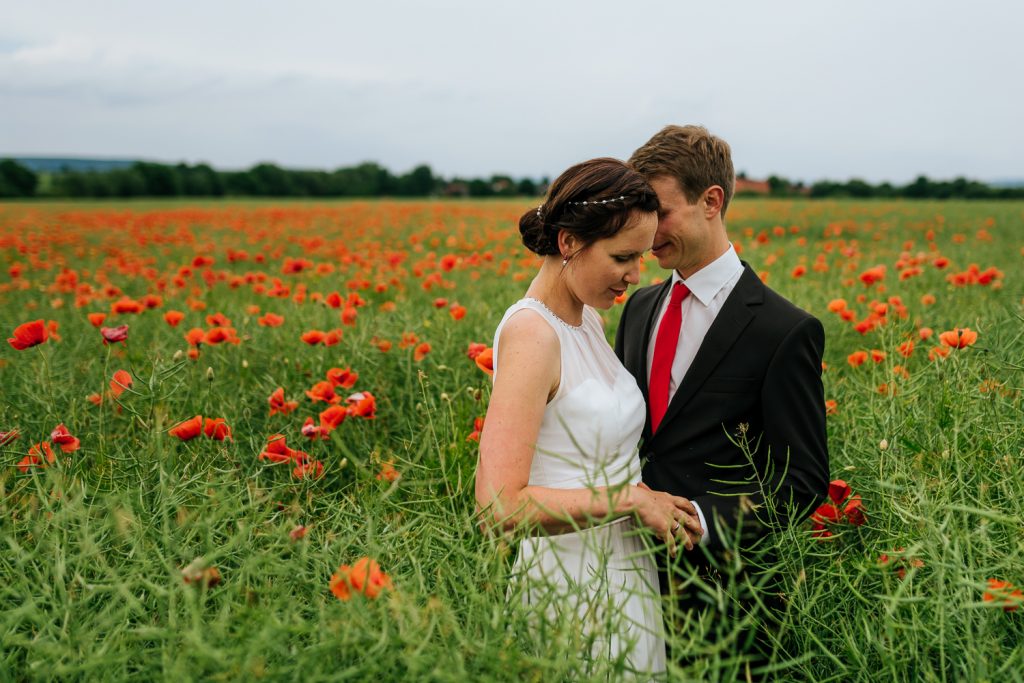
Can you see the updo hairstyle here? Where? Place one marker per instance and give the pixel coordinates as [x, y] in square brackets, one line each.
[600, 183]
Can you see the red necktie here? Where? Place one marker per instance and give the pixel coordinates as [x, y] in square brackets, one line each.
[664, 353]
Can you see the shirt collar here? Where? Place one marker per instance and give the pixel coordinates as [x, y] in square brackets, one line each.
[709, 280]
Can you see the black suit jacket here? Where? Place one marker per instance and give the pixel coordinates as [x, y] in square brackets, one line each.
[756, 379]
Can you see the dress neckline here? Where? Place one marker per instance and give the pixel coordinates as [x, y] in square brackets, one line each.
[574, 328]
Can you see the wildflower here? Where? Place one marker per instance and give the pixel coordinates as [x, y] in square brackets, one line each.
[28, 334]
[313, 337]
[298, 532]
[1004, 594]
[421, 352]
[279, 405]
[342, 377]
[126, 305]
[959, 338]
[837, 305]
[485, 361]
[332, 417]
[857, 358]
[270, 320]
[217, 429]
[39, 455]
[364, 576]
[906, 348]
[475, 349]
[829, 513]
[310, 430]
[172, 318]
[323, 391]
[831, 407]
[113, 335]
[362, 404]
[63, 438]
[478, 425]
[189, 429]
[276, 451]
[96, 319]
[457, 311]
[388, 472]
[877, 356]
[197, 573]
[196, 336]
[308, 470]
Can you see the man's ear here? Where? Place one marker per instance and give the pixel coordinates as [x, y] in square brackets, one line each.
[713, 200]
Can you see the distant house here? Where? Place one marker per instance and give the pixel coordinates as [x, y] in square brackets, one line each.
[748, 186]
[456, 189]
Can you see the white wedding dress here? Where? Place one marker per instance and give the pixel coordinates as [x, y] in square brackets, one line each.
[601, 578]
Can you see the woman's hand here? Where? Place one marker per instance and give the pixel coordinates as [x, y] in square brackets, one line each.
[666, 515]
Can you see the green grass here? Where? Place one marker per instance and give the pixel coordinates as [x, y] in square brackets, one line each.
[93, 546]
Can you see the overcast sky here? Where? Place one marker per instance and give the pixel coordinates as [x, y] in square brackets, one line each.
[809, 89]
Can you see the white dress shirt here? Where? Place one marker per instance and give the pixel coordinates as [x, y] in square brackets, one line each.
[709, 288]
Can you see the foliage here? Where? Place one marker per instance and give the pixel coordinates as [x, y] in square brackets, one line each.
[139, 553]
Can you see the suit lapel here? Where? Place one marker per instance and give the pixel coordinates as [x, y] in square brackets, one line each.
[730, 322]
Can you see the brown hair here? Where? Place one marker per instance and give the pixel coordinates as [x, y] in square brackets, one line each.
[693, 156]
[611, 190]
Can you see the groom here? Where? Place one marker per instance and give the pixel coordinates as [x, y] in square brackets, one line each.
[730, 369]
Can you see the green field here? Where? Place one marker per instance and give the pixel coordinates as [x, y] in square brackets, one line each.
[94, 542]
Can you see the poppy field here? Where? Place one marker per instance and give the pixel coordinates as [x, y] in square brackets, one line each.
[238, 441]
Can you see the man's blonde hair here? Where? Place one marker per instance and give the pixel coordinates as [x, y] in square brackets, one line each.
[693, 156]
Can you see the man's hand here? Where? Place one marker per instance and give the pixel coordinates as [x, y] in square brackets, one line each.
[688, 525]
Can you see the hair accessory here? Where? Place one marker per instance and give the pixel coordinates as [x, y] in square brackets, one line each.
[538, 212]
[597, 201]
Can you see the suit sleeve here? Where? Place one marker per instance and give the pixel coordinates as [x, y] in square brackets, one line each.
[792, 459]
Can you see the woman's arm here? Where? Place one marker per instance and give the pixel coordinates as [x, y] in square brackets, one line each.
[528, 368]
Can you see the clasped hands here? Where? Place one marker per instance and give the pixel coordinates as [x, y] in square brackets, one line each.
[673, 518]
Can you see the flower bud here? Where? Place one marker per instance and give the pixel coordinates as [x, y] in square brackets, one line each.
[883, 444]
[209, 374]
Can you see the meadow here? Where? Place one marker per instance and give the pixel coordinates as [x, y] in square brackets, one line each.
[238, 441]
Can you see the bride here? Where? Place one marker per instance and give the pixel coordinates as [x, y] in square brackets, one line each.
[558, 452]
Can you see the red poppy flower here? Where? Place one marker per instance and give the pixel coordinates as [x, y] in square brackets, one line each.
[63, 438]
[421, 352]
[332, 337]
[220, 334]
[189, 429]
[311, 430]
[195, 336]
[113, 335]
[857, 358]
[364, 576]
[485, 361]
[309, 470]
[362, 404]
[342, 377]
[96, 319]
[478, 425]
[323, 391]
[172, 318]
[313, 337]
[39, 455]
[121, 381]
[959, 338]
[28, 334]
[348, 316]
[475, 349]
[271, 320]
[837, 305]
[127, 305]
[457, 311]
[298, 533]
[276, 451]
[1004, 594]
[332, 417]
[279, 405]
[388, 472]
[217, 429]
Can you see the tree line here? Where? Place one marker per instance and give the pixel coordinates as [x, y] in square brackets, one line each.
[147, 179]
[921, 187]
